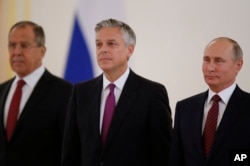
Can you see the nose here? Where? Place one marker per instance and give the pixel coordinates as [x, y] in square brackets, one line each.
[17, 50]
[211, 67]
[103, 50]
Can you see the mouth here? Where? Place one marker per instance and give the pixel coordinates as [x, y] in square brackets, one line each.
[211, 77]
[17, 59]
[17, 62]
[105, 59]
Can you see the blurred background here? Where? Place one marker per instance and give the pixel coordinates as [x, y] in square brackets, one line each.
[171, 36]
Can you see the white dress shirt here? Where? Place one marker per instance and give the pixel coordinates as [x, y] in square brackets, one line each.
[119, 84]
[225, 96]
[30, 82]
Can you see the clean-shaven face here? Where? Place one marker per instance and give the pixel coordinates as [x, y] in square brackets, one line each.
[111, 50]
[219, 66]
[25, 55]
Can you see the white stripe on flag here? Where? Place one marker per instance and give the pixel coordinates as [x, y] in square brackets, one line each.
[90, 12]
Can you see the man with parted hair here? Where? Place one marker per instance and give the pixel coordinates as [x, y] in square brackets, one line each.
[118, 118]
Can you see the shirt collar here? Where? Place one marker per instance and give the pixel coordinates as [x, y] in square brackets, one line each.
[119, 83]
[32, 78]
[224, 94]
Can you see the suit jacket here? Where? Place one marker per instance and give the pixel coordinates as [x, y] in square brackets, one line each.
[37, 138]
[233, 132]
[140, 131]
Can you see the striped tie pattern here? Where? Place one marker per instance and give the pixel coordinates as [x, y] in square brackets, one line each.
[211, 124]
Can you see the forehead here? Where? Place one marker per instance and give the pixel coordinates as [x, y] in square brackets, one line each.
[24, 32]
[109, 33]
[219, 48]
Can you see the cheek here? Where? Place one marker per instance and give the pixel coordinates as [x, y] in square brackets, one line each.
[36, 56]
[39, 59]
[204, 68]
[97, 55]
[30, 62]
[97, 52]
[122, 54]
[122, 58]
[234, 72]
[226, 69]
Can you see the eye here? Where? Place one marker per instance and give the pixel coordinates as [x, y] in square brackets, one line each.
[98, 44]
[12, 46]
[218, 60]
[112, 43]
[24, 45]
[206, 59]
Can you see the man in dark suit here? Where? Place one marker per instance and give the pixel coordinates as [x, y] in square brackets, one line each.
[36, 136]
[141, 126]
[222, 61]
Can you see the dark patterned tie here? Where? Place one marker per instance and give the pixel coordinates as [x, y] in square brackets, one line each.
[211, 124]
[108, 112]
[14, 109]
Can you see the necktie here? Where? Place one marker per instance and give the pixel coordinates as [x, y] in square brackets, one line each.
[14, 109]
[108, 112]
[210, 125]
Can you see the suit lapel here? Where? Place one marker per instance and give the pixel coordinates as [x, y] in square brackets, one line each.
[96, 102]
[39, 91]
[94, 107]
[3, 97]
[197, 123]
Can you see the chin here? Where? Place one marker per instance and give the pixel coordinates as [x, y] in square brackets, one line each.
[105, 67]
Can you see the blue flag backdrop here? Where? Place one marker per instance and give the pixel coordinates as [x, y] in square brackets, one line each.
[80, 64]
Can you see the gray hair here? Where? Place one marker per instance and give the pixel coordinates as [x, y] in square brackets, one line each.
[237, 51]
[38, 31]
[128, 34]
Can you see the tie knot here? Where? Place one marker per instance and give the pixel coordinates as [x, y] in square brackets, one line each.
[20, 83]
[216, 98]
[111, 87]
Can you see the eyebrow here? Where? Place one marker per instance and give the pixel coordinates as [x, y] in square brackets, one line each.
[98, 40]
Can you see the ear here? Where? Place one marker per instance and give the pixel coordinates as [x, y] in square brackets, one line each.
[43, 50]
[239, 64]
[130, 50]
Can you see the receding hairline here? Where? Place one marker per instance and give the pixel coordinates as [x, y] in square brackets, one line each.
[236, 49]
[37, 30]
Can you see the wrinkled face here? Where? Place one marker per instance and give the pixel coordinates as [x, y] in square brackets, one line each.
[111, 50]
[219, 66]
[25, 55]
